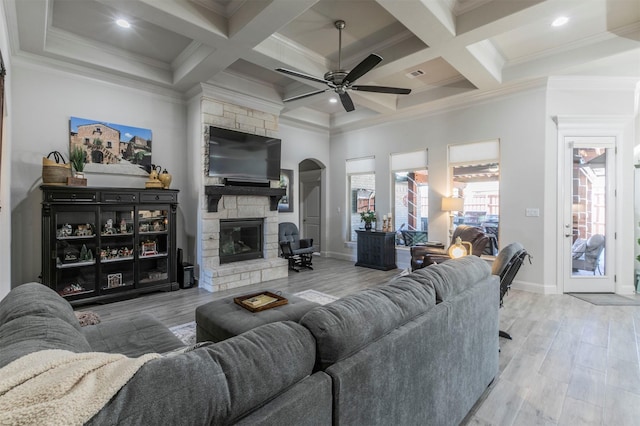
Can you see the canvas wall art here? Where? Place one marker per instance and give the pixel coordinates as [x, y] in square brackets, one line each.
[110, 147]
[286, 182]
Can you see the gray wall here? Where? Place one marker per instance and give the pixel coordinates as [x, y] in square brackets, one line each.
[46, 99]
[518, 121]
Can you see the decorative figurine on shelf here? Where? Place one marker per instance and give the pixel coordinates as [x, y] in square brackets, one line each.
[153, 181]
[108, 227]
[165, 178]
[66, 230]
[123, 226]
[84, 230]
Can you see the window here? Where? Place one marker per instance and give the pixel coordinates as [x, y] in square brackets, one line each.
[362, 191]
[410, 197]
[109, 144]
[475, 171]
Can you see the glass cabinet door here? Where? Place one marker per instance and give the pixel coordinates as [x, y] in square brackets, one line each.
[117, 247]
[153, 245]
[75, 252]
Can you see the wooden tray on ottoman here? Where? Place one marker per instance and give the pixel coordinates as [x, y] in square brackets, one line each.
[257, 302]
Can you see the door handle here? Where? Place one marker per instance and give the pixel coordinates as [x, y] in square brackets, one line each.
[567, 235]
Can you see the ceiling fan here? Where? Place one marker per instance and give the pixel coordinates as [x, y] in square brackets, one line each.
[340, 80]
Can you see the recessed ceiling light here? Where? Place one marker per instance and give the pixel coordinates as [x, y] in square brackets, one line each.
[333, 100]
[123, 23]
[560, 21]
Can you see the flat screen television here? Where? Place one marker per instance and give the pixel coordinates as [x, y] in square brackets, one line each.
[243, 156]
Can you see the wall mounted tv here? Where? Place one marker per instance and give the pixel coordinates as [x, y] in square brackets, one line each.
[243, 156]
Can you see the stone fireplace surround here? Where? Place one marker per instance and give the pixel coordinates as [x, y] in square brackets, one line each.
[228, 202]
[223, 108]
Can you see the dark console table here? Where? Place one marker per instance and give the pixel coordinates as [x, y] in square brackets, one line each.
[377, 250]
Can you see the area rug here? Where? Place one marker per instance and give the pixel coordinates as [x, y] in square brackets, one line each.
[187, 331]
[316, 296]
[606, 299]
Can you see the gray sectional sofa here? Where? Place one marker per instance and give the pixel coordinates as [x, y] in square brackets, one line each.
[420, 350]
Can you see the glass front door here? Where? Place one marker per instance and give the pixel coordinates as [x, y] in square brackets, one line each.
[588, 228]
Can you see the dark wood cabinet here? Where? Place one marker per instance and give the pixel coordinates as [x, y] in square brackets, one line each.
[107, 243]
[377, 250]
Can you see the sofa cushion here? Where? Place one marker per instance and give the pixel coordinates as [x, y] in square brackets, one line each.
[348, 324]
[217, 383]
[38, 300]
[133, 336]
[453, 276]
[30, 333]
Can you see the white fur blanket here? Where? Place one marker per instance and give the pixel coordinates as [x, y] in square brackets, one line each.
[57, 387]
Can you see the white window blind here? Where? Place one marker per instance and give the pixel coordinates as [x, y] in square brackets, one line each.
[361, 165]
[592, 142]
[475, 153]
[416, 160]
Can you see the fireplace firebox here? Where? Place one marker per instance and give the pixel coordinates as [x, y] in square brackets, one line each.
[241, 239]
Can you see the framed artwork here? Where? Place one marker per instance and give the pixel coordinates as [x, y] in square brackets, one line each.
[286, 182]
[111, 148]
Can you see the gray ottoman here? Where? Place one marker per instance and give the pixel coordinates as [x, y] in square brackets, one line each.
[222, 319]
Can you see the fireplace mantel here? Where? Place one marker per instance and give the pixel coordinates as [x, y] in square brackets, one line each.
[215, 192]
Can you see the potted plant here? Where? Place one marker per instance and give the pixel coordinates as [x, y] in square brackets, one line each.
[76, 158]
[367, 217]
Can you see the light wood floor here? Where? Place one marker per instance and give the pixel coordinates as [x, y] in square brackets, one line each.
[569, 363]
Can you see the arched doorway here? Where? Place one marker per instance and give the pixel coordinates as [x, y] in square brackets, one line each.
[311, 175]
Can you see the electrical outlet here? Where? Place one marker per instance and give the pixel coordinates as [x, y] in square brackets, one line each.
[532, 212]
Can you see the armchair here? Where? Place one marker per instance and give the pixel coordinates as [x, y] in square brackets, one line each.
[424, 255]
[506, 266]
[586, 254]
[298, 251]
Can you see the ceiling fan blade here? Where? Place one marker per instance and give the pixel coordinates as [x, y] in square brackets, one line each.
[301, 75]
[362, 68]
[347, 103]
[382, 89]
[306, 95]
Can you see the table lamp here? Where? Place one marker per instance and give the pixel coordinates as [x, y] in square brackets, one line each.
[451, 204]
[458, 249]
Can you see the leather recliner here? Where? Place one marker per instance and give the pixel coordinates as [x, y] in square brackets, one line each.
[422, 256]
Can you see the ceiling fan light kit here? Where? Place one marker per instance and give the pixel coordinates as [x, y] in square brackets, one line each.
[340, 81]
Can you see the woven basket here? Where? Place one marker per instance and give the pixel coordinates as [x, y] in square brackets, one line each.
[56, 171]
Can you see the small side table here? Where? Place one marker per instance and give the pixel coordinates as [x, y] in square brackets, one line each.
[377, 250]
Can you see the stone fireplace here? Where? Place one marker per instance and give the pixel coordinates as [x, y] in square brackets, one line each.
[253, 260]
[216, 274]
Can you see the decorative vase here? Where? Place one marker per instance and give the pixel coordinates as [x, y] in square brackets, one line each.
[367, 226]
[165, 178]
[79, 175]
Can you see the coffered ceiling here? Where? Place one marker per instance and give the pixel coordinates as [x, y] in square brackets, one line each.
[442, 50]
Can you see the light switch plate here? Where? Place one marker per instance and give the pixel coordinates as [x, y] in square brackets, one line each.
[532, 212]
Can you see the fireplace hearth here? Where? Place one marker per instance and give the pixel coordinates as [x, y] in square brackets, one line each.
[241, 239]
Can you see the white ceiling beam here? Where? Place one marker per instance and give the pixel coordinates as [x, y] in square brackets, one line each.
[256, 21]
[432, 23]
[38, 13]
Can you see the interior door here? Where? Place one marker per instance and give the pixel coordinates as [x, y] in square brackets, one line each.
[588, 232]
[310, 185]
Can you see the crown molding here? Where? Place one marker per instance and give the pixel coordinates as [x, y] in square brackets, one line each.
[444, 105]
[67, 69]
[236, 98]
